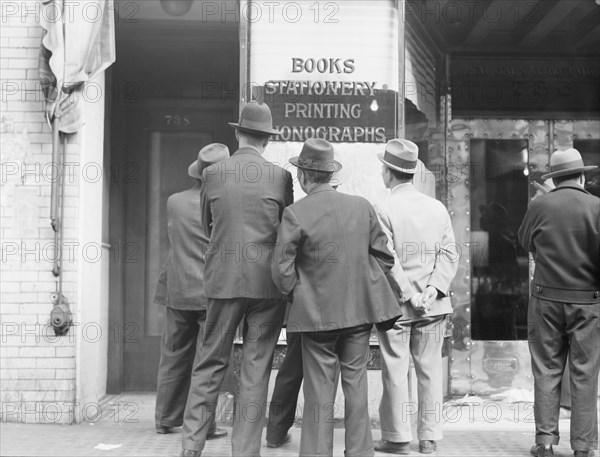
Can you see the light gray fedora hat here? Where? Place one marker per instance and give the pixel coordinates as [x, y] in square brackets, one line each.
[401, 155]
[566, 162]
[209, 154]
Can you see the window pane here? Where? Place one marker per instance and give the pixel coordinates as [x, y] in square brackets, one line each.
[499, 196]
[590, 152]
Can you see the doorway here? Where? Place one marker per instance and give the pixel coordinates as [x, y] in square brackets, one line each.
[494, 171]
[499, 266]
[174, 89]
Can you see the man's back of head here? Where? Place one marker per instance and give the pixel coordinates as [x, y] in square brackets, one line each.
[253, 140]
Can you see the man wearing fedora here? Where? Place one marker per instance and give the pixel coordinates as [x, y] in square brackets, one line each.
[330, 260]
[420, 234]
[180, 287]
[562, 231]
[242, 200]
[282, 408]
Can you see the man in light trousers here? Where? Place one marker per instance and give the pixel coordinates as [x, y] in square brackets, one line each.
[420, 234]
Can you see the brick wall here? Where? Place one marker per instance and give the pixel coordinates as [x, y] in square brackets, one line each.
[37, 369]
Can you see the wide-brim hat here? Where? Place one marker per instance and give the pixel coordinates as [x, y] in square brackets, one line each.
[566, 162]
[214, 152]
[317, 154]
[401, 155]
[256, 118]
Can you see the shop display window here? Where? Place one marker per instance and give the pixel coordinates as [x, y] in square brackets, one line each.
[499, 280]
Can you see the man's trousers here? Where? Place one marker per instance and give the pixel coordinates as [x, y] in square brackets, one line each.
[262, 324]
[556, 329]
[282, 409]
[423, 339]
[320, 353]
[179, 351]
[284, 401]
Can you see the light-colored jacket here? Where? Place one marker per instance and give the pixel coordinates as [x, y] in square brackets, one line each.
[420, 234]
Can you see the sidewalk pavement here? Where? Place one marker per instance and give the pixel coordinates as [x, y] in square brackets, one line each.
[482, 428]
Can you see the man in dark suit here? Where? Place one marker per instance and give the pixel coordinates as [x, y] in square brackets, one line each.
[562, 231]
[282, 408]
[331, 259]
[181, 288]
[242, 201]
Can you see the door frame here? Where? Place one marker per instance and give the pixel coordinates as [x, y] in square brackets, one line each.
[117, 108]
[544, 137]
[121, 174]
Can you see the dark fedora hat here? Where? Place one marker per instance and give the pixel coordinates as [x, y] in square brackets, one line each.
[316, 154]
[567, 162]
[401, 155]
[256, 118]
[214, 152]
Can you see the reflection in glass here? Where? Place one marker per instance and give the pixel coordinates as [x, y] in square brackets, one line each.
[418, 130]
[590, 152]
[499, 196]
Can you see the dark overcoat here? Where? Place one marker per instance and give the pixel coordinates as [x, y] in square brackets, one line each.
[562, 231]
[332, 259]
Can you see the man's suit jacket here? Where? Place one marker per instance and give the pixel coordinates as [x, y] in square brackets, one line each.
[562, 230]
[331, 257]
[181, 285]
[420, 234]
[242, 200]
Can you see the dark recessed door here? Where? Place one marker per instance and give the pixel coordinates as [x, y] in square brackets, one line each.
[161, 143]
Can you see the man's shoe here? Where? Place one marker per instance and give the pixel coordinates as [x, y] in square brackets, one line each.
[285, 440]
[189, 453]
[542, 450]
[427, 446]
[584, 453]
[218, 433]
[162, 430]
[391, 447]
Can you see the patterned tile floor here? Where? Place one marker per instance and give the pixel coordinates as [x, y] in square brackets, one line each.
[134, 435]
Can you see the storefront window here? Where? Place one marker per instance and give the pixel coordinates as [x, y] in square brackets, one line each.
[499, 197]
